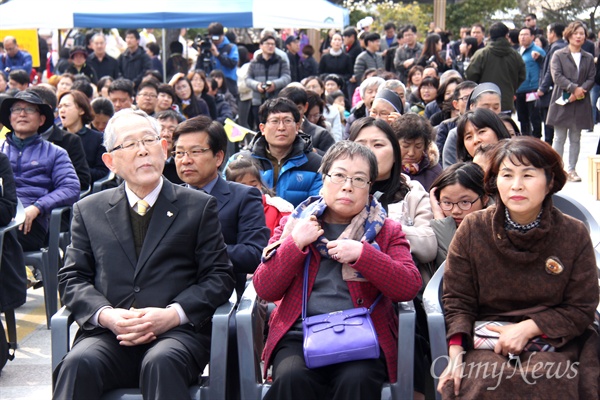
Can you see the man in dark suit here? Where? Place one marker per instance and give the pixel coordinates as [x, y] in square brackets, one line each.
[200, 146]
[145, 271]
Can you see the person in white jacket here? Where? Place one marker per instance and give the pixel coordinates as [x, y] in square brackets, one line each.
[406, 201]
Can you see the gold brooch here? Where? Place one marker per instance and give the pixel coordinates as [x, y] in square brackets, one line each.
[553, 266]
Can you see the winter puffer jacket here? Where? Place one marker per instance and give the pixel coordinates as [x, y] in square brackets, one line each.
[44, 175]
[299, 176]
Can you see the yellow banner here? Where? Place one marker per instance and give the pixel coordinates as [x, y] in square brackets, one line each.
[27, 39]
[235, 132]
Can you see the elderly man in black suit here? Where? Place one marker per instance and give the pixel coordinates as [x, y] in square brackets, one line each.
[200, 146]
[145, 271]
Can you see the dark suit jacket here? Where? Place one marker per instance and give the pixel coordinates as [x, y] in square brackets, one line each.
[320, 137]
[93, 146]
[74, 147]
[183, 260]
[245, 231]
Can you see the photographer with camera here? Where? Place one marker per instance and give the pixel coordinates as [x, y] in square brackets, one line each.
[267, 74]
[217, 52]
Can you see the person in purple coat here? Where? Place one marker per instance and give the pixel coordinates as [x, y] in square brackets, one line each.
[44, 175]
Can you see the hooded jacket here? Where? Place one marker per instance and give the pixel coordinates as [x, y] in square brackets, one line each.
[499, 63]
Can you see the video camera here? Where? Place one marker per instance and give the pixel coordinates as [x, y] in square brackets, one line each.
[204, 43]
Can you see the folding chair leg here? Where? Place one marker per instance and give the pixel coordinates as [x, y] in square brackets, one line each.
[11, 327]
[50, 288]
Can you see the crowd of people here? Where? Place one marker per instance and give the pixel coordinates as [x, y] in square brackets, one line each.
[369, 168]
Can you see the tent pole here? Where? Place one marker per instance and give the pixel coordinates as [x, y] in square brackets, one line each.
[164, 54]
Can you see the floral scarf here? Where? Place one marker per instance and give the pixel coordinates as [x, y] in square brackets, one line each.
[364, 227]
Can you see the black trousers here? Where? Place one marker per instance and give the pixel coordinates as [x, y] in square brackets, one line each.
[292, 379]
[529, 116]
[35, 238]
[163, 369]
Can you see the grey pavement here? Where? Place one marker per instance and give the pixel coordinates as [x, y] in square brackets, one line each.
[29, 375]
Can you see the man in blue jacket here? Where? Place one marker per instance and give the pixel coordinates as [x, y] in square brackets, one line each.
[289, 165]
[224, 56]
[44, 174]
[14, 59]
[533, 57]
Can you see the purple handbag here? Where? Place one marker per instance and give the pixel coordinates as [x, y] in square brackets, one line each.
[339, 336]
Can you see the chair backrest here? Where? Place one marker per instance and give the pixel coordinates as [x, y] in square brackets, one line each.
[575, 209]
[432, 301]
[103, 183]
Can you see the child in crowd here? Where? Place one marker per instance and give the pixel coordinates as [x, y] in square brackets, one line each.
[243, 170]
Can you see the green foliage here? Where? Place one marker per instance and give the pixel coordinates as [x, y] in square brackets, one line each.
[403, 14]
[356, 15]
[469, 12]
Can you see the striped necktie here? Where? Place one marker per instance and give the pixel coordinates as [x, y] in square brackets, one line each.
[142, 207]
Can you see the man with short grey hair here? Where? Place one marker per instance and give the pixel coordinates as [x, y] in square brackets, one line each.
[145, 271]
[103, 64]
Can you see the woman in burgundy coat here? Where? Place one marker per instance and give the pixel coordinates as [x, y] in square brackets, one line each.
[356, 253]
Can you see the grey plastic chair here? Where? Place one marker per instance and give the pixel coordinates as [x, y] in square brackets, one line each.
[568, 205]
[9, 315]
[212, 387]
[48, 259]
[103, 183]
[432, 301]
[252, 386]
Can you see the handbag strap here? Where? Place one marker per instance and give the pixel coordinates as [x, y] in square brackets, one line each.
[305, 290]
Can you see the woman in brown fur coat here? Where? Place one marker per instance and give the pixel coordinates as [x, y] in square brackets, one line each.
[522, 261]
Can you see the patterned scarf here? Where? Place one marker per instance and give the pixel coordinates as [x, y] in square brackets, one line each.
[511, 225]
[410, 168]
[364, 227]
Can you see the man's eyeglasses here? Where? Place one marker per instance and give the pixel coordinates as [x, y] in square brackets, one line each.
[179, 154]
[464, 205]
[276, 122]
[380, 114]
[131, 145]
[28, 110]
[356, 181]
[464, 98]
[148, 95]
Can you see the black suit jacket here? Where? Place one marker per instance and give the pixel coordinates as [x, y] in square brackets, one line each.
[74, 147]
[183, 260]
[245, 232]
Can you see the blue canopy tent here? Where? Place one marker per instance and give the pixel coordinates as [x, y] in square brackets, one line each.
[27, 14]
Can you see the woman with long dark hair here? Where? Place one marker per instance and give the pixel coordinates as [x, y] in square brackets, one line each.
[475, 128]
[200, 87]
[467, 48]
[433, 56]
[189, 104]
